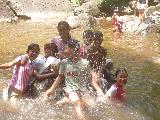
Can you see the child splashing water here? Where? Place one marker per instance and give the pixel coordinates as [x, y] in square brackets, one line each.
[22, 72]
[96, 55]
[75, 71]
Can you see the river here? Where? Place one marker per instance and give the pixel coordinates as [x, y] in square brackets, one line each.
[133, 52]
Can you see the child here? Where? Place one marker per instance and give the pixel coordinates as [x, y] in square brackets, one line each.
[142, 5]
[87, 41]
[75, 72]
[116, 23]
[116, 92]
[62, 40]
[107, 76]
[48, 70]
[22, 71]
[96, 55]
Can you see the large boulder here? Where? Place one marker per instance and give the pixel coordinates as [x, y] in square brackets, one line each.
[89, 7]
[33, 8]
[82, 20]
[6, 13]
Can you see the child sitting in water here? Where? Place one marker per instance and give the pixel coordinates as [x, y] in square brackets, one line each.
[96, 55]
[22, 71]
[74, 71]
[48, 70]
[62, 40]
[107, 75]
[116, 92]
[86, 43]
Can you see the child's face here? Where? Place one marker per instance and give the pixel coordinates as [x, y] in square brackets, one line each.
[63, 32]
[33, 53]
[122, 78]
[97, 40]
[47, 52]
[87, 38]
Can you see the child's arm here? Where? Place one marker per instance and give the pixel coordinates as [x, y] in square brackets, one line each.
[45, 76]
[53, 73]
[95, 80]
[9, 64]
[111, 92]
[54, 85]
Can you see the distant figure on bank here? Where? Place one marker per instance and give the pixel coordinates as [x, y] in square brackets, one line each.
[22, 72]
[142, 5]
[116, 92]
[116, 22]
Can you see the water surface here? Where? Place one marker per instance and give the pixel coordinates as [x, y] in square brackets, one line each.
[133, 52]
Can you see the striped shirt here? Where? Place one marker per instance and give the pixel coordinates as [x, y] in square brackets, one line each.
[21, 75]
[58, 41]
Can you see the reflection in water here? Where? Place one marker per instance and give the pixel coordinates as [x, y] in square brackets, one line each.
[134, 53]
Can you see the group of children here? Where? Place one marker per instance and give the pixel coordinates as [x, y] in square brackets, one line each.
[76, 67]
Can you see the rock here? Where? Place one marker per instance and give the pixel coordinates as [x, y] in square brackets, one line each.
[87, 21]
[89, 8]
[82, 20]
[6, 14]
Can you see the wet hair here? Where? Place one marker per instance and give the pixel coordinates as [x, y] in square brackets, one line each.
[109, 63]
[63, 23]
[51, 46]
[121, 71]
[74, 44]
[97, 33]
[89, 32]
[32, 46]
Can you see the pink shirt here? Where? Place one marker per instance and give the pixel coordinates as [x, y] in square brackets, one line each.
[58, 41]
[21, 75]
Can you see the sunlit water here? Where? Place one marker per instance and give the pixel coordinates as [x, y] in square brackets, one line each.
[132, 52]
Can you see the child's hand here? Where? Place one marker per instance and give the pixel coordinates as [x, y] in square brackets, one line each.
[47, 94]
[24, 59]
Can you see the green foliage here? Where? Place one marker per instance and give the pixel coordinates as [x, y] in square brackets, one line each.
[107, 6]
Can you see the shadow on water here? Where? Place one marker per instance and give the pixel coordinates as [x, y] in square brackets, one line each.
[133, 53]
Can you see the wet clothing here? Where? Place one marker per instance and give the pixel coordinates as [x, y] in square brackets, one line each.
[58, 41]
[21, 75]
[107, 80]
[96, 57]
[43, 65]
[116, 91]
[83, 51]
[116, 24]
[76, 74]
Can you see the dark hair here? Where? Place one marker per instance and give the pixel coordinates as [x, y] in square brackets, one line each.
[98, 33]
[32, 46]
[51, 46]
[89, 32]
[122, 71]
[74, 44]
[63, 23]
